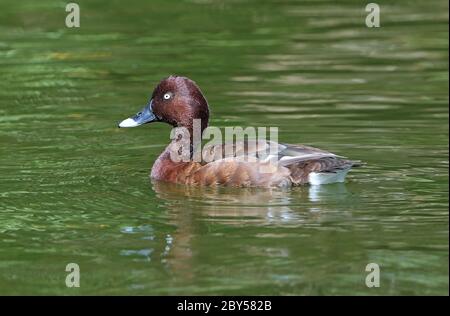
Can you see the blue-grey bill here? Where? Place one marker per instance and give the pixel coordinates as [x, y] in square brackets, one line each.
[146, 115]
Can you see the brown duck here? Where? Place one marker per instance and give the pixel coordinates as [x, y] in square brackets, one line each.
[178, 101]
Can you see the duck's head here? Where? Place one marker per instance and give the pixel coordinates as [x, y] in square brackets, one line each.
[176, 101]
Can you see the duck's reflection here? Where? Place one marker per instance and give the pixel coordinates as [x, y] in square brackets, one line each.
[233, 205]
[194, 212]
[190, 209]
[247, 205]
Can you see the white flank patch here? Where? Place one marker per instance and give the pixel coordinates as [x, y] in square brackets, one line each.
[318, 178]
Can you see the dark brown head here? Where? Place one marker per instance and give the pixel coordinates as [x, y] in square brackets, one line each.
[176, 101]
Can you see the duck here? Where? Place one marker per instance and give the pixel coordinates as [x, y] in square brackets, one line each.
[179, 102]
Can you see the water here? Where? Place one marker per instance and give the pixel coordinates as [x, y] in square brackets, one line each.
[74, 188]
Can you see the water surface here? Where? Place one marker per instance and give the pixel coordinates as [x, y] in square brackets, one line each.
[74, 188]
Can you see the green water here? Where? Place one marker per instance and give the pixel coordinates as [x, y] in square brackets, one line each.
[74, 188]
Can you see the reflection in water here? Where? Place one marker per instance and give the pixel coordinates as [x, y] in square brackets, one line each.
[188, 206]
[258, 205]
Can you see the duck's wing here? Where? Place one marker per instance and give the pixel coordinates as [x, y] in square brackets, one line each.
[293, 154]
[264, 151]
[258, 150]
[325, 161]
[315, 166]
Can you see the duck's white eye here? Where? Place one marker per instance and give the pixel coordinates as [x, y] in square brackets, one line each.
[167, 96]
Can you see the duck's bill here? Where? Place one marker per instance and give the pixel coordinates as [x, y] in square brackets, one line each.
[144, 116]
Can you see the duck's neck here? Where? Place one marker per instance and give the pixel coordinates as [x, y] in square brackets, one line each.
[184, 149]
[189, 138]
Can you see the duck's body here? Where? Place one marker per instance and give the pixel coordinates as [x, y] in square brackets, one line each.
[177, 101]
[294, 165]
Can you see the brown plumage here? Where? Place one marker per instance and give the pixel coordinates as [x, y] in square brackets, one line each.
[178, 101]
